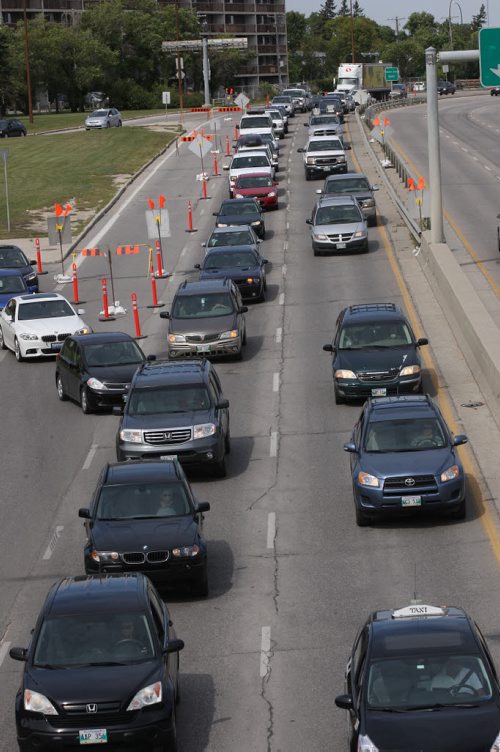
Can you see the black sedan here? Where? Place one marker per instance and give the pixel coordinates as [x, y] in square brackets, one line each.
[96, 369]
[102, 668]
[404, 459]
[421, 678]
[241, 211]
[144, 518]
[12, 128]
[446, 87]
[245, 266]
[495, 91]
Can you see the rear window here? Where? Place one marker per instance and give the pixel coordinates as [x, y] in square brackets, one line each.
[240, 163]
[350, 185]
[237, 209]
[255, 122]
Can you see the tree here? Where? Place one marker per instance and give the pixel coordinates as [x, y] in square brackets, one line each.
[344, 9]
[296, 27]
[7, 83]
[327, 10]
[479, 20]
[420, 21]
[357, 10]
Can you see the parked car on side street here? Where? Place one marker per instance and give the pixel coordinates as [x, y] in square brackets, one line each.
[105, 118]
[12, 128]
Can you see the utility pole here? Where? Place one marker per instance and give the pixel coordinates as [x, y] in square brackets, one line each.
[206, 62]
[27, 62]
[353, 56]
[179, 71]
[397, 19]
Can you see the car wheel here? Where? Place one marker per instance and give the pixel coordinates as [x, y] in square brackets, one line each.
[262, 296]
[2, 341]
[339, 400]
[263, 235]
[17, 351]
[201, 585]
[177, 683]
[170, 744]
[120, 124]
[84, 401]
[244, 340]
[308, 177]
[227, 443]
[60, 389]
[460, 512]
[362, 519]
[220, 469]
[374, 221]
[108, 124]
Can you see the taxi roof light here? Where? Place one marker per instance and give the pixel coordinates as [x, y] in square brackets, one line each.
[418, 609]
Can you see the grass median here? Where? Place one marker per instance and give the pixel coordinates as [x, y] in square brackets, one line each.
[89, 167]
[51, 121]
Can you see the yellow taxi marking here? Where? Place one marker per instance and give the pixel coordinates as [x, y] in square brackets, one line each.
[487, 518]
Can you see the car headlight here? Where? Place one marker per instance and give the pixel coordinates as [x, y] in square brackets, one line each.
[173, 338]
[252, 280]
[342, 373]
[359, 234]
[365, 744]
[340, 159]
[320, 236]
[452, 473]
[231, 334]
[203, 430]
[495, 747]
[30, 337]
[271, 194]
[30, 277]
[257, 223]
[311, 160]
[187, 552]
[96, 384]
[131, 436]
[239, 195]
[221, 224]
[149, 695]
[365, 479]
[84, 330]
[410, 371]
[38, 703]
[101, 557]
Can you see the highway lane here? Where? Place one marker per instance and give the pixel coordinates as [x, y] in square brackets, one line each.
[291, 575]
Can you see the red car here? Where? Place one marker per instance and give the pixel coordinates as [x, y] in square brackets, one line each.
[259, 186]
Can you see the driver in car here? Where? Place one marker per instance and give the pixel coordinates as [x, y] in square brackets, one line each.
[460, 679]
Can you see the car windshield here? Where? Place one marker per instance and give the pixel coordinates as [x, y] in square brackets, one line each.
[295, 92]
[378, 334]
[12, 259]
[202, 306]
[232, 237]
[322, 119]
[11, 284]
[337, 215]
[407, 435]
[347, 185]
[232, 259]
[257, 182]
[82, 639]
[168, 399]
[428, 680]
[44, 309]
[99, 113]
[237, 209]
[240, 163]
[332, 144]
[276, 114]
[142, 500]
[104, 354]
[285, 100]
[255, 122]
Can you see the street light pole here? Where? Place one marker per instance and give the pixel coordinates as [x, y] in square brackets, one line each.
[437, 229]
[178, 62]
[449, 18]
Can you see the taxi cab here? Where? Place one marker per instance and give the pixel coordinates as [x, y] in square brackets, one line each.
[421, 679]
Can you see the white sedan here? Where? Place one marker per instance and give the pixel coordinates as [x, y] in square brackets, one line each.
[34, 325]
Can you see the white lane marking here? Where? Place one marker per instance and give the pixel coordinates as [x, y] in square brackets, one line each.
[55, 537]
[281, 299]
[285, 245]
[288, 225]
[456, 143]
[183, 251]
[283, 270]
[202, 211]
[58, 287]
[279, 335]
[276, 382]
[273, 444]
[487, 168]
[463, 148]
[4, 649]
[498, 178]
[476, 159]
[90, 456]
[265, 650]
[271, 529]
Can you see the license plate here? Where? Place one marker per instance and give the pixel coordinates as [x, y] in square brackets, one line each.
[94, 736]
[411, 501]
[340, 246]
[168, 456]
[327, 168]
[56, 346]
[203, 348]
[379, 392]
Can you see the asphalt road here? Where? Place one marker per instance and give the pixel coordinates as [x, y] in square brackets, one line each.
[291, 576]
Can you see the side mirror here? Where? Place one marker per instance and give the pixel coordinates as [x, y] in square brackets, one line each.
[225, 167]
[174, 646]
[309, 222]
[164, 314]
[300, 151]
[81, 311]
[33, 262]
[344, 702]
[19, 654]
[84, 512]
[350, 447]
[347, 147]
[375, 188]
[204, 244]
[259, 240]
[328, 348]
[319, 191]
[243, 309]
[197, 266]
[459, 440]
[264, 261]
[117, 410]
[214, 214]
[150, 358]
[422, 341]
[222, 404]
[203, 506]
[306, 125]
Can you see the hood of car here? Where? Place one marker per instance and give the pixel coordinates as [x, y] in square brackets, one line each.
[238, 219]
[91, 684]
[325, 153]
[113, 374]
[167, 420]
[375, 360]
[340, 228]
[135, 535]
[65, 324]
[205, 327]
[419, 462]
[265, 190]
[441, 730]
[96, 119]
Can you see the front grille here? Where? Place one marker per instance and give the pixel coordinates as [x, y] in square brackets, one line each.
[115, 386]
[76, 716]
[54, 337]
[176, 436]
[139, 557]
[389, 375]
[157, 557]
[342, 237]
[326, 160]
[397, 486]
[134, 557]
[202, 337]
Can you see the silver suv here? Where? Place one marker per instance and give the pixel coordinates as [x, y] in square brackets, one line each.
[338, 224]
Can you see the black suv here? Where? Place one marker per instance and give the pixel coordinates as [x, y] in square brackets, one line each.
[207, 320]
[420, 673]
[101, 668]
[176, 411]
[375, 353]
[144, 518]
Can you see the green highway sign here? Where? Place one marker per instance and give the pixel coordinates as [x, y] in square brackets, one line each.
[489, 56]
[392, 74]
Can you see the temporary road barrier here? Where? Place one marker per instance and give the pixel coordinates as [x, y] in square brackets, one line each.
[39, 267]
[190, 218]
[76, 299]
[137, 323]
[228, 109]
[228, 148]
[105, 316]
[216, 167]
[154, 291]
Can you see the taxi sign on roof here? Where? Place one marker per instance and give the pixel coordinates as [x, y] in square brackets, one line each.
[418, 609]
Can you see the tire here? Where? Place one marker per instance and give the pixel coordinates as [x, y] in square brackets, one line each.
[339, 400]
[60, 389]
[227, 443]
[3, 346]
[84, 401]
[308, 177]
[177, 685]
[171, 740]
[120, 124]
[262, 237]
[108, 124]
[244, 340]
[460, 512]
[373, 221]
[17, 351]
[362, 519]
[220, 469]
[201, 586]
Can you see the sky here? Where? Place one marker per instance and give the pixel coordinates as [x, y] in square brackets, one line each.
[383, 10]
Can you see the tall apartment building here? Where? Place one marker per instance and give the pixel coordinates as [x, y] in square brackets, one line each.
[61, 11]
